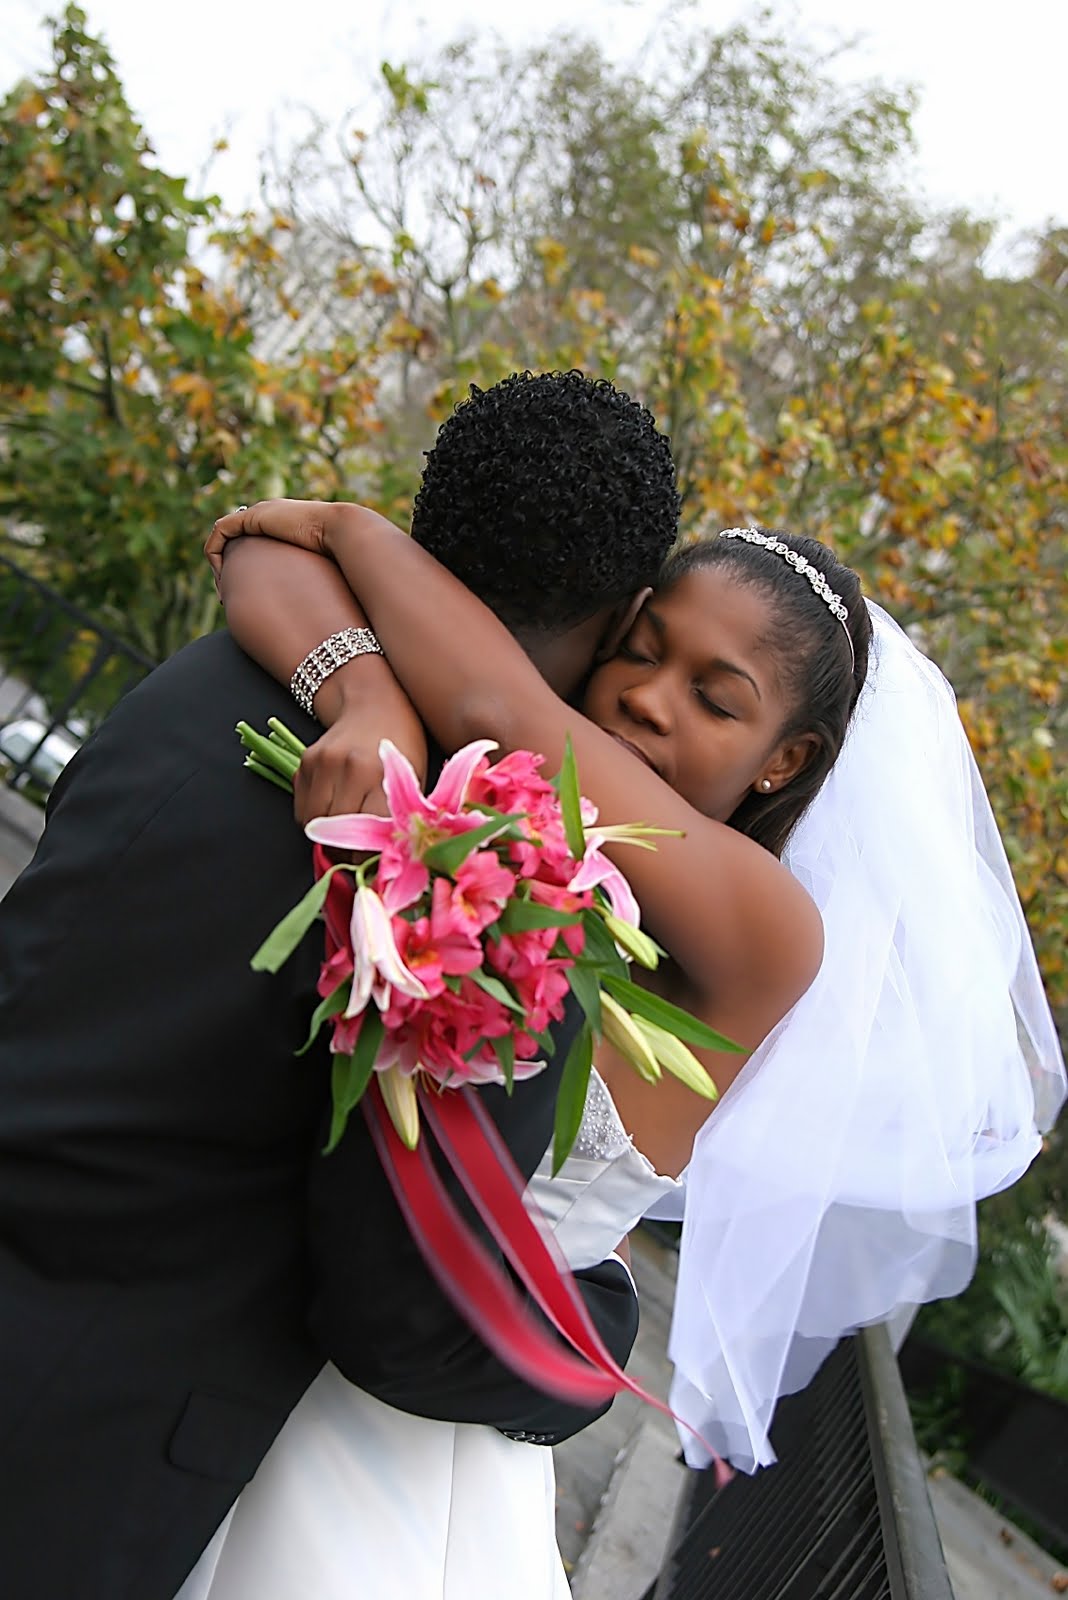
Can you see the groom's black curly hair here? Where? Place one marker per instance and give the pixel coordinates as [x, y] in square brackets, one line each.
[550, 495]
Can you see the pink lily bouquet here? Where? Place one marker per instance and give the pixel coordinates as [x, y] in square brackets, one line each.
[452, 945]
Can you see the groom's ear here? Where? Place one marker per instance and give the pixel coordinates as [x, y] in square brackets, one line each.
[620, 623]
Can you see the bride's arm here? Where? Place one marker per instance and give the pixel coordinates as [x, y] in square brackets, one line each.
[276, 599]
[280, 603]
[741, 929]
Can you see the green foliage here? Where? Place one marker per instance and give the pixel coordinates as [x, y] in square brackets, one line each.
[133, 410]
[936, 1420]
[61, 653]
[93, 238]
[1014, 1314]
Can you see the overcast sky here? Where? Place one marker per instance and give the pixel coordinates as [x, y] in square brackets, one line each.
[992, 78]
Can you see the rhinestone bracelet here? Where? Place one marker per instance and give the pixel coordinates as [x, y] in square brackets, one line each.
[325, 659]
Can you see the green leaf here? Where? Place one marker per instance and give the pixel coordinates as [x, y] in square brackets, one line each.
[522, 916]
[330, 1007]
[586, 987]
[448, 854]
[667, 1016]
[493, 986]
[571, 1096]
[340, 1072]
[350, 1076]
[281, 942]
[570, 803]
[509, 821]
[504, 1050]
[600, 947]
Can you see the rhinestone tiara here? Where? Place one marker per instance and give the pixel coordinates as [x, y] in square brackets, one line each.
[804, 569]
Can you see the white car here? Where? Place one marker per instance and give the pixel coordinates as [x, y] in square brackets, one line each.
[19, 739]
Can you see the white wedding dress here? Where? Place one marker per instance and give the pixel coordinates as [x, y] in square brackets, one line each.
[356, 1499]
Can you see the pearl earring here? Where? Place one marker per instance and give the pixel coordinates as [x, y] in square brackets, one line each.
[765, 784]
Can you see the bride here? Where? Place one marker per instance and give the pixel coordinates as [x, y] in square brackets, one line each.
[836, 1182]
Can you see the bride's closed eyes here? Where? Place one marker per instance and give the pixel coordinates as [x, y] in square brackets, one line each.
[645, 646]
[711, 705]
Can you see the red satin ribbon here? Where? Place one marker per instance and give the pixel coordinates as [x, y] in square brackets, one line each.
[337, 911]
[467, 1272]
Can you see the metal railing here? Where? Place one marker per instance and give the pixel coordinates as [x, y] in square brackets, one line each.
[61, 671]
[845, 1513]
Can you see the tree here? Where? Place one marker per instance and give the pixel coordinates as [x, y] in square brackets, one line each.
[726, 232]
[133, 407]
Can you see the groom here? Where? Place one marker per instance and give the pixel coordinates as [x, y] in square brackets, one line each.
[157, 1286]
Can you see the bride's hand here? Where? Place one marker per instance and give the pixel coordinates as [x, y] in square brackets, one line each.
[299, 522]
[342, 770]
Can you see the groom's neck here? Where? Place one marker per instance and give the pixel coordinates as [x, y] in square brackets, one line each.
[564, 659]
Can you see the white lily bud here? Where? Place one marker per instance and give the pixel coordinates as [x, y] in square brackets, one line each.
[621, 1033]
[677, 1058]
[398, 1092]
[633, 941]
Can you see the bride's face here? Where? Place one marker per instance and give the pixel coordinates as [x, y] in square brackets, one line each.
[694, 689]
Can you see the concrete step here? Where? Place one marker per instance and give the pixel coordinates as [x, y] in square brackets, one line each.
[629, 1541]
[987, 1556]
[586, 1463]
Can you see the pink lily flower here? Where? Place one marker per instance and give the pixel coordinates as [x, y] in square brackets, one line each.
[415, 820]
[445, 944]
[483, 888]
[454, 931]
[377, 964]
[346, 1034]
[450, 791]
[596, 871]
[334, 971]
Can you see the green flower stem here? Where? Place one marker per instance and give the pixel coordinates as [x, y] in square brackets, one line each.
[275, 756]
[286, 737]
[269, 773]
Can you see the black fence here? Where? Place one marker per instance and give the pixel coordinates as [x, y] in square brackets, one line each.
[60, 674]
[845, 1513]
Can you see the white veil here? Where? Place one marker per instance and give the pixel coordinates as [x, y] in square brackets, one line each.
[836, 1183]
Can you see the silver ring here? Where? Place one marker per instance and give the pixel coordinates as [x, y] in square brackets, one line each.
[239, 508]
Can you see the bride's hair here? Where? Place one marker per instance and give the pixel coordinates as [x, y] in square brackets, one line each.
[812, 657]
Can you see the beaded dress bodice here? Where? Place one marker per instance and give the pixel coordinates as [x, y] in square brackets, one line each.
[603, 1188]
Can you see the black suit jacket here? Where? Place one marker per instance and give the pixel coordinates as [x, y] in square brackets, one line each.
[163, 1300]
